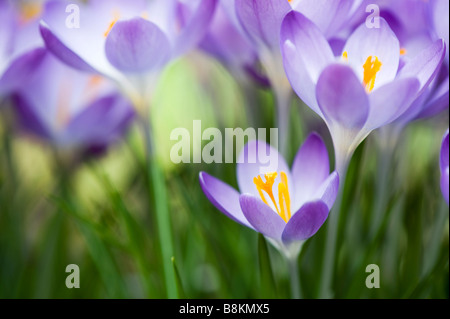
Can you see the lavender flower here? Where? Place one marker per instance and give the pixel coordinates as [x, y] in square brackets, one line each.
[362, 89]
[71, 109]
[287, 206]
[413, 38]
[262, 21]
[440, 18]
[128, 41]
[227, 42]
[20, 42]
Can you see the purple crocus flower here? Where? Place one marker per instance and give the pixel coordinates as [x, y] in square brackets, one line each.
[444, 167]
[71, 109]
[287, 206]
[413, 38]
[227, 42]
[128, 41]
[331, 17]
[262, 19]
[440, 18]
[362, 89]
[20, 42]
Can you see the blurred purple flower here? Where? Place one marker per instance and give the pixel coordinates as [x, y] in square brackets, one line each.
[261, 22]
[227, 42]
[292, 211]
[128, 41]
[444, 167]
[20, 42]
[440, 18]
[69, 108]
[331, 17]
[360, 91]
[431, 20]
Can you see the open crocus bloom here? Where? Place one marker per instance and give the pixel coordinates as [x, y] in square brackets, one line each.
[444, 167]
[362, 89]
[262, 19]
[71, 109]
[287, 206]
[124, 38]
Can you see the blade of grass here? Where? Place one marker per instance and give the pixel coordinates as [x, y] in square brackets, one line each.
[180, 290]
[134, 234]
[267, 281]
[100, 254]
[157, 184]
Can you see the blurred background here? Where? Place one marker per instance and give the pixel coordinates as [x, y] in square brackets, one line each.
[96, 214]
[59, 206]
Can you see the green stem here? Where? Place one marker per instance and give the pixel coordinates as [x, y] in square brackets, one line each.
[388, 140]
[382, 194]
[434, 246]
[332, 231]
[156, 178]
[283, 101]
[295, 280]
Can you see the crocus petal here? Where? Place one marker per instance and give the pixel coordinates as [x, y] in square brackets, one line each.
[439, 101]
[79, 47]
[101, 122]
[226, 42]
[7, 30]
[20, 69]
[305, 222]
[224, 197]
[328, 190]
[29, 120]
[137, 45]
[425, 65]
[71, 108]
[389, 101]
[305, 54]
[310, 168]
[257, 158]
[263, 218]
[64, 53]
[441, 20]
[329, 16]
[83, 46]
[261, 19]
[376, 42]
[341, 97]
[197, 22]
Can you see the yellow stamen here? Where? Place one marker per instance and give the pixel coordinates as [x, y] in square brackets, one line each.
[371, 68]
[283, 193]
[266, 186]
[284, 198]
[345, 56]
[29, 11]
[113, 22]
[95, 80]
[403, 51]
